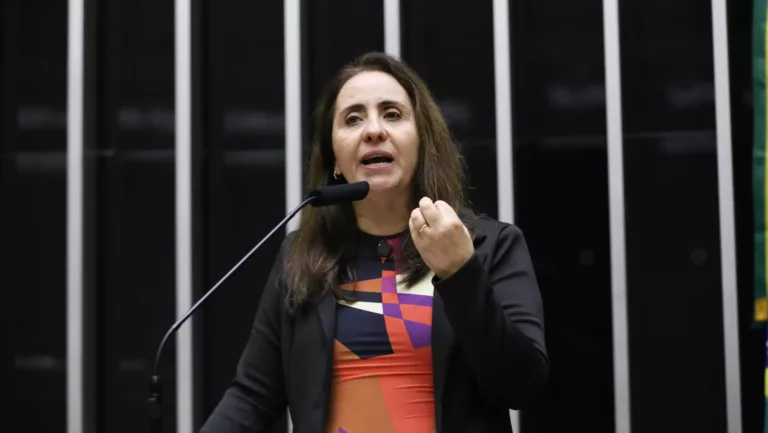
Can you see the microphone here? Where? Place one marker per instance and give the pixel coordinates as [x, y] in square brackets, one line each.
[343, 193]
[325, 196]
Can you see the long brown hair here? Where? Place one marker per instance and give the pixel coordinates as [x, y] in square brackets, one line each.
[324, 244]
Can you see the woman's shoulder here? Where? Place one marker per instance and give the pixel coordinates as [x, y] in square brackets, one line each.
[489, 228]
[496, 240]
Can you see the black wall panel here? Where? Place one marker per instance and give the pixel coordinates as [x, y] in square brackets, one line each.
[131, 211]
[33, 73]
[561, 204]
[673, 252]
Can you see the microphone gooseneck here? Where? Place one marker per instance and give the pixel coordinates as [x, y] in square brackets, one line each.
[320, 197]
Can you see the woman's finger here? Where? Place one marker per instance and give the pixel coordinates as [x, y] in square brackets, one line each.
[450, 219]
[417, 219]
[431, 214]
[446, 210]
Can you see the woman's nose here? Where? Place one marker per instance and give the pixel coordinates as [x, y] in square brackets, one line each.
[374, 132]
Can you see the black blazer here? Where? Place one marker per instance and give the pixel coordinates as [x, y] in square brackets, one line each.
[487, 342]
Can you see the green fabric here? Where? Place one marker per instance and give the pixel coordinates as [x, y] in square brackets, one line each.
[760, 310]
[759, 150]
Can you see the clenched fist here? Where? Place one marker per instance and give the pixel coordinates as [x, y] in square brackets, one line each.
[441, 238]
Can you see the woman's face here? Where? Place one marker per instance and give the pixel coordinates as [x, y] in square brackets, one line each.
[375, 138]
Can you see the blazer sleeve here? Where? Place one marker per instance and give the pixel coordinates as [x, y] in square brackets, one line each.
[497, 316]
[256, 398]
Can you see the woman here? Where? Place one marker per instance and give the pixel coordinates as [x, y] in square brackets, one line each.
[402, 312]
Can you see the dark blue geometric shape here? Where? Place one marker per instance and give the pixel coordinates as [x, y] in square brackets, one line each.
[367, 268]
[363, 296]
[363, 332]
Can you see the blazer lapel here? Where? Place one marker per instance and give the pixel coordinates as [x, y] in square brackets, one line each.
[443, 342]
[326, 310]
[317, 385]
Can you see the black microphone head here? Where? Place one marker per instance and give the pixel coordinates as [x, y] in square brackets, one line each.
[335, 194]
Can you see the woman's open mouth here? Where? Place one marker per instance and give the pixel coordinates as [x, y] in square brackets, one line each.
[377, 159]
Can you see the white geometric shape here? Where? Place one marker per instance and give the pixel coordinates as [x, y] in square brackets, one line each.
[373, 307]
[422, 287]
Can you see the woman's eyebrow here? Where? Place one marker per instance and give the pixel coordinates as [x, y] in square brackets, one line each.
[385, 103]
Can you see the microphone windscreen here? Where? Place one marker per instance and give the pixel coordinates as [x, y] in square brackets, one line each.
[335, 194]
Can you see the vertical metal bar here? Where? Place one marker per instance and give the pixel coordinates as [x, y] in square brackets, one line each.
[392, 27]
[293, 125]
[75, 203]
[504, 153]
[727, 224]
[503, 85]
[616, 210]
[183, 117]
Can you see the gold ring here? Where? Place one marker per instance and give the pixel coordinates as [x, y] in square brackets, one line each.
[423, 227]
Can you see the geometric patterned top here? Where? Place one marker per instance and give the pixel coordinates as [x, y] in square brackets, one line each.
[382, 369]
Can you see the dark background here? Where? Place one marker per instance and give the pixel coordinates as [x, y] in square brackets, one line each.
[560, 182]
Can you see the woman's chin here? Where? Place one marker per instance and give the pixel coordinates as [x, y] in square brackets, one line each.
[378, 186]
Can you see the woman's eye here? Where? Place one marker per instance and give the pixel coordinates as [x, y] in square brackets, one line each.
[351, 120]
[392, 115]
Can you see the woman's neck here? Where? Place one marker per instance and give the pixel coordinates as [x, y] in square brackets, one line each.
[383, 216]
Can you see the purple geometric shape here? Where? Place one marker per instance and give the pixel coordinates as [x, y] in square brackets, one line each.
[392, 310]
[341, 430]
[421, 334]
[388, 285]
[413, 299]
